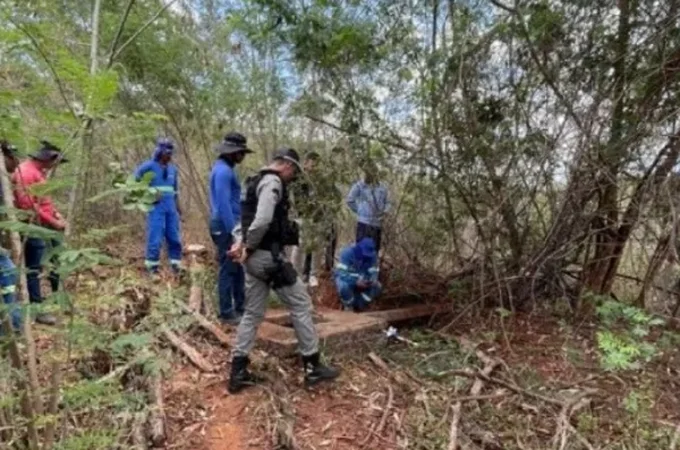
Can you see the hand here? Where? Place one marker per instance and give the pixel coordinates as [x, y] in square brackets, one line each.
[59, 224]
[238, 253]
[362, 285]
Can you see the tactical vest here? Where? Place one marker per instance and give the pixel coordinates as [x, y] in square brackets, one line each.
[281, 231]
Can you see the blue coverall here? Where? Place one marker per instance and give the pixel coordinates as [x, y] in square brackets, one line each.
[163, 220]
[352, 267]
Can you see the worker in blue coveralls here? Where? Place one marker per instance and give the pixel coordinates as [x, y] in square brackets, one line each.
[8, 273]
[356, 275]
[225, 213]
[164, 218]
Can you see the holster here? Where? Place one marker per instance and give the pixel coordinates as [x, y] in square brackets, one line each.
[282, 273]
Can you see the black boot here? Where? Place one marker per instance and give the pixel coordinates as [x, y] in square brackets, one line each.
[241, 377]
[316, 372]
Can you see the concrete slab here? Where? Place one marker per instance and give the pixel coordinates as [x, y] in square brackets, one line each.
[409, 313]
[335, 328]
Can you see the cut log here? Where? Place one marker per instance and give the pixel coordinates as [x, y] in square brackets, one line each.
[187, 349]
[156, 430]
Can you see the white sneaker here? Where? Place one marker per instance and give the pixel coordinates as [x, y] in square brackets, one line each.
[313, 281]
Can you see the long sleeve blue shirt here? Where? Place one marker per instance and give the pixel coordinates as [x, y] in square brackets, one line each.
[370, 202]
[225, 195]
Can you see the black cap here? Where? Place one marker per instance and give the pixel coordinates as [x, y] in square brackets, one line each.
[8, 149]
[233, 142]
[288, 154]
[48, 152]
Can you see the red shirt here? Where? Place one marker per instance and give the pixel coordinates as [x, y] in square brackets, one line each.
[27, 174]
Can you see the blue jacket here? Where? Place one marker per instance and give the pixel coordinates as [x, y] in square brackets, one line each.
[163, 177]
[369, 202]
[225, 196]
[351, 268]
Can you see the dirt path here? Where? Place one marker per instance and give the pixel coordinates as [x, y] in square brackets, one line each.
[203, 416]
[225, 430]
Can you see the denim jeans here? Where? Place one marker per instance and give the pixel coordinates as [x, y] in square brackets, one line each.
[8, 279]
[34, 250]
[230, 277]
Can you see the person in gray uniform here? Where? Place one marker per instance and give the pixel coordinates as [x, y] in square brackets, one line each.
[264, 231]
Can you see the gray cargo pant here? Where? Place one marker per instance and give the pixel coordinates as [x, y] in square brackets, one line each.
[295, 297]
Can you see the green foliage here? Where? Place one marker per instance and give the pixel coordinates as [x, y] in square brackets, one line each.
[137, 194]
[621, 341]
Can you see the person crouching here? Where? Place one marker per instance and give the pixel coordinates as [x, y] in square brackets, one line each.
[356, 275]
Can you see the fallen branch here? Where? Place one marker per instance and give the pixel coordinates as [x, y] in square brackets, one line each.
[121, 370]
[207, 325]
[378, 361]
[156, 415]
[563, 425]
[187, 349]
[139, 441]
[676, 436]
[390, 399]
[514, 388]
[474, 398]
[377, 430]
[453, 434]
[195, 297]
[580, 438]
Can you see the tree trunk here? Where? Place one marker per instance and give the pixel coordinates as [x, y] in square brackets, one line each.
[31, 403]
[598, 276]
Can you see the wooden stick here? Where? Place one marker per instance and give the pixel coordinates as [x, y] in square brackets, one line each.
[676, 435]
[120, 370]
[505, 384]
[195, 297]
[187, 349]
[390, 399]
[139, 440]
[157, 413]
[474, 398]
[453, 434]
[206, 324]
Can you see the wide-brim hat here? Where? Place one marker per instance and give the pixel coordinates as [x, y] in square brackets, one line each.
[230, 148]
[232, 143]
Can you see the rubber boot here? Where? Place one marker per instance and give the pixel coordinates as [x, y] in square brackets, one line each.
[316, 372]
[241, 377]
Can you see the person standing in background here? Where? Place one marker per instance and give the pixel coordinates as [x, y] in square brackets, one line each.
[370, 201]
[163, 221]
[225, 213]
[29, 173]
